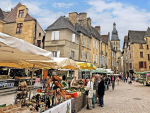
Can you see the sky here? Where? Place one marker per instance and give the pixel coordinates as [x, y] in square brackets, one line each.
[127, 14]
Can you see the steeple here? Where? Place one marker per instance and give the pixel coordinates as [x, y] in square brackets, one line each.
[114, 36]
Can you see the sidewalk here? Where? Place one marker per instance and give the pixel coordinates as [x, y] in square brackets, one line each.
[126, 98]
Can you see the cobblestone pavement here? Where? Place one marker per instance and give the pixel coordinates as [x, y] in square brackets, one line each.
[126, 98]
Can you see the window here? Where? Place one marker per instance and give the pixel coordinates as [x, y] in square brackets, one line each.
[21, 13]
[55, 35]
[39, 43]
[87, 57]
[39, 34]
[93, 43]
[126, 57]
[72, 55]
[116, 48]
[73, 37]
[142, 64]
[141, 54]
[88, 43]
[93, 58]
[19, 28]
[100, 60]
[83, 56]
[56, 53]
[130, 56]
[83, 41]
[96, 58]
[149, 67]
[146, 39]
[129, 47]
[96, 44]
[130, 65]
[141, 46]
[147, 47]
[148, 57]
[114, 43]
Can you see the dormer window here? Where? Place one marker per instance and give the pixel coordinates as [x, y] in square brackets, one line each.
[21, 13]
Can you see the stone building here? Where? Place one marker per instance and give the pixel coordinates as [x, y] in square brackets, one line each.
[62, 39]
[20, 24]
[136, 52]
[115, 42]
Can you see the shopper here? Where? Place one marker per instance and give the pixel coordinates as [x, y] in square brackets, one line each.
[101, 90]
[126, 78]
[113, 81]
[89, 93]
[94, 92]
[118, 80]
[96, 82]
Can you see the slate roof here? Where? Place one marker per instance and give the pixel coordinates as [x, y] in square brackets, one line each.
[82, 29]
[1, 15]
[61, 23]
[114, 36]
[5, 13]
[11, 17]
[125, 41]
[136, 36]
[105, 38]
[94, 32]
[147, 34]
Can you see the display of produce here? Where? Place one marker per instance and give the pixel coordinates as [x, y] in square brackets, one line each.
[4, 77]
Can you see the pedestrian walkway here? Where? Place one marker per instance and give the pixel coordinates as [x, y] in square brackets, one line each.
[126, 98]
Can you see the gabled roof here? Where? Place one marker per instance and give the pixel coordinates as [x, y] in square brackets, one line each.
[82, 29]
[147, 34]
[61, 23]
[1, 15]
[125, 41]
[136, 36]
[105, 38]
[11, 17]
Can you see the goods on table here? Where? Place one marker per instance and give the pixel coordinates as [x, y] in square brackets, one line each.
[3, 77]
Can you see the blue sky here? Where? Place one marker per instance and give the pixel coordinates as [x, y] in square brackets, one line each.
[128, 14]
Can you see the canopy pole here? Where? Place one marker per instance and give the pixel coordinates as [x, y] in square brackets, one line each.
[31, 80]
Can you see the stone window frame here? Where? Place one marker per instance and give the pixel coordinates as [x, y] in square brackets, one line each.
[19, 28]
[21, 13]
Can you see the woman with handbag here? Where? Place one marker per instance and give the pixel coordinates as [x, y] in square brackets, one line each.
[89, 93]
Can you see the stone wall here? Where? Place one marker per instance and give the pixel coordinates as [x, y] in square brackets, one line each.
[27, 30]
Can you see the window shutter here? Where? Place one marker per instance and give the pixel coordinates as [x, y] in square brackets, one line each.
[100, 60]
[83, 41]
[139, 65]
[58, 54]
[93, 43]
[145, 65]
[87, 57]
[96, 44]
[93, 58]
[96, 58]
[82, 55]
[56, 35]
[88, 43]
[52, 37]
[73, 37]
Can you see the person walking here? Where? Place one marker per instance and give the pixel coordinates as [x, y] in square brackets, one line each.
[101, 90]
[126, 78]
[89, 93]
[113, 81]
[96, 82]
[118, 80]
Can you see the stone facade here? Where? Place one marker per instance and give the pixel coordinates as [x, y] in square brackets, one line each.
[64, 44]
[1, 25]
[30, 30]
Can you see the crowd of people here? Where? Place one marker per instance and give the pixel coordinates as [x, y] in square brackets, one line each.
[96, 87]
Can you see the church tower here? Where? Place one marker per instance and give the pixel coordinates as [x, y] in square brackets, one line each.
[115, 41]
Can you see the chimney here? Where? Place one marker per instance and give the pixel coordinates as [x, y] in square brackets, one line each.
[89, 21]
[82, 17]
[11, 9]
[73, 17]
[98, 28]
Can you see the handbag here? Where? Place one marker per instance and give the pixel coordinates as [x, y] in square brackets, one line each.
[87, 92]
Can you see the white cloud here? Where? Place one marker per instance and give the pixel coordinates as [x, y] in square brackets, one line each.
[6, 5]
[127, 17]
[61, 5]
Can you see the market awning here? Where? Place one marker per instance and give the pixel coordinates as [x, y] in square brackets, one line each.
[84, 65]
[57, 63]
[13, 49]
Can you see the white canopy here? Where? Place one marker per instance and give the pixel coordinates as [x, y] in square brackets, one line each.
[12, 48]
